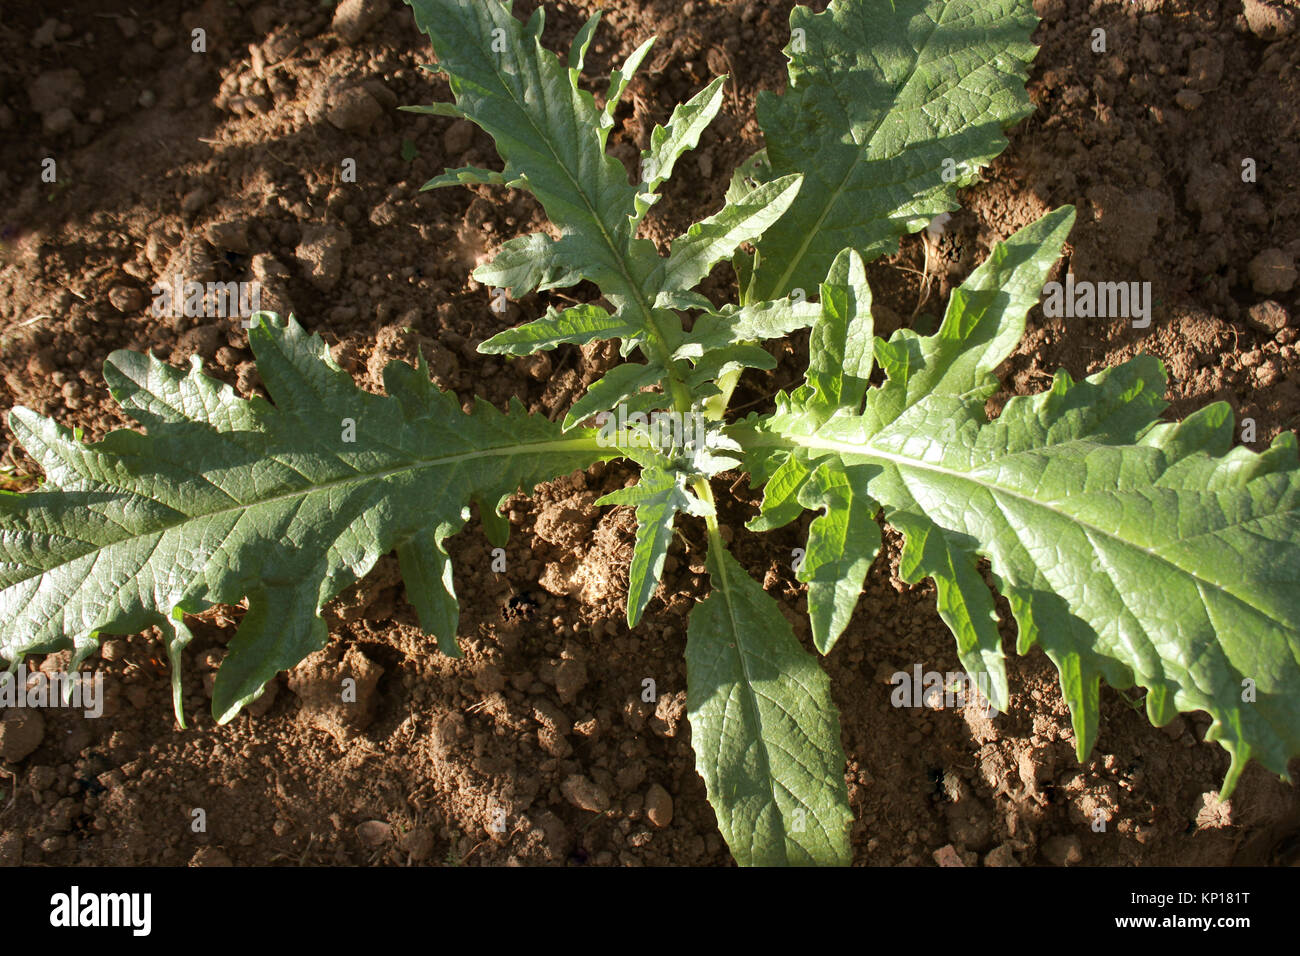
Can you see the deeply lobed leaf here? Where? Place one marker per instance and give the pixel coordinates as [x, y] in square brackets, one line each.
[285, 504]
[890, 108]
[1106, 529]
[552, 137]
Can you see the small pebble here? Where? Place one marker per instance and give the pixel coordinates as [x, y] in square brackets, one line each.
[584, 794]
[373, 832]
[1273, 270]
[659, 806]
[419, 843]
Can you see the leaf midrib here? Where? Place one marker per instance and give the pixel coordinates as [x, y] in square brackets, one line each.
[857, 160]
[637, 293]
[870, 451]
[750, 697]
[569, 444]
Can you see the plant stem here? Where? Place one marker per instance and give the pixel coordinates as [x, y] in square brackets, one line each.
[705, 492]
[716, 407]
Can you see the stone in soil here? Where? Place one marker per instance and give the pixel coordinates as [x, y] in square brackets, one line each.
[373, 832]
[354, 110]
[1001, 856]
[584, 794]
[126, 298]
[231, 235]
[419, 843]
[330, 704]
[1270, 317]
[947, 856]
[659, 806]
[1063, 850]
[353, 18]
[21, 732]
[1268, 20]
[1273, 270]
[55, 89]
[320, 253]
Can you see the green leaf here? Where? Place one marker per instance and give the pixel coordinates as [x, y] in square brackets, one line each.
[577, 326]
[426, 569]
[658, 497]
[578, 49]
[842, 543]
[711, 240]
[618, 82]
[683, 299]
[435, 109]
[465, 176]
[619, 384]
[1112, 551]
[880, 96]
[722, 342]
[548, 131]
[226, 498]
[735, 324]
[780, 503]
[551, 135]
[668, 144]
[1130, 550]
[840, 347]
[716, 363]
[523, 264]
[964, 600]
[983, 323]
[749, 175]
[764, 729]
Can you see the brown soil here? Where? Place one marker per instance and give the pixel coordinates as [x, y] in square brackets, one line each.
[159, 144]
